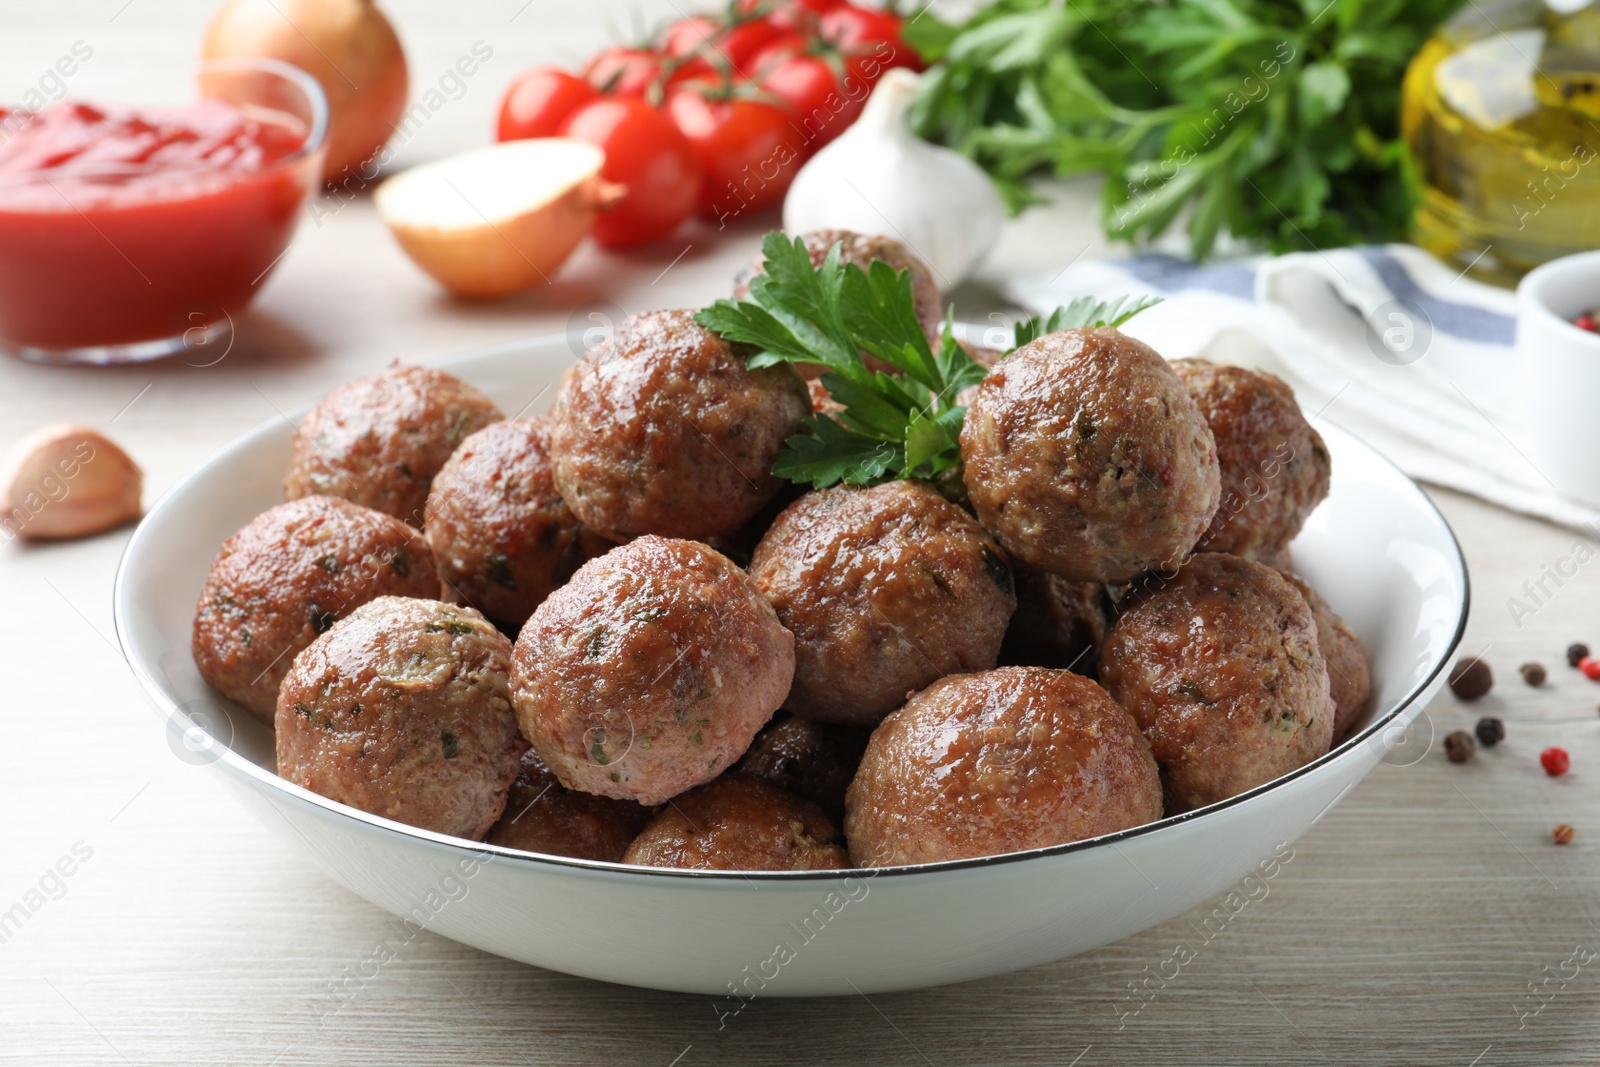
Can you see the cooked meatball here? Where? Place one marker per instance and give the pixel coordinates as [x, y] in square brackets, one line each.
[815, 760]
[502, 537]
[1058, 623]
[1349, 676]
[1275, 468]
[1086, 457]
[542, 815]
[291, 573]
[380, 440]
[862, 249]
[740, 823]
[651, 671]
[404, 710]
[1219, 666]
[1001, 761]
[886, 590]
[663, 429]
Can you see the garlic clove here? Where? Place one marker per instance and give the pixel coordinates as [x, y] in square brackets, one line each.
[64, 480]
[880, 178]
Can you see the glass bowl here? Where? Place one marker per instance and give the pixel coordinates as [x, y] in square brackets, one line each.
[117, 262]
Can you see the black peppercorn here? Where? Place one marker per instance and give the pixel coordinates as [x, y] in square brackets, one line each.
[1471, 678]
[1490, 731]
[1533, 674]
[1575, 653]
[1459, 746]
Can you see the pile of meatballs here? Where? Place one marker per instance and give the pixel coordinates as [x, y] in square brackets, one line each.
[612, 633]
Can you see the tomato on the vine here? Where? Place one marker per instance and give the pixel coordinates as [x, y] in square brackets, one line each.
[858, 31]
[749, 149]
[789, 14]
[717, 44]
[826, 94]
[646, 153]
[539, 100]
[688, 34]
[623, 71]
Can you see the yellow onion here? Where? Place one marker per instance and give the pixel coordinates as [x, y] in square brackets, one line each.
[347, 45]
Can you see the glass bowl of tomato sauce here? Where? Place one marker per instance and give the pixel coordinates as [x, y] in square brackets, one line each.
[134, 231]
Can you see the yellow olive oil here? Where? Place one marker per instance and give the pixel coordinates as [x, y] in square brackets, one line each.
[1501, 112]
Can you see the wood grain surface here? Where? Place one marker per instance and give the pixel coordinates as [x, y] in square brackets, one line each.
[1428, 919]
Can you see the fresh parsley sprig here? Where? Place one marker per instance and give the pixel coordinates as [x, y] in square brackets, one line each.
[890, 426]
[905, 425]
[1084, 313]
[1275, 121]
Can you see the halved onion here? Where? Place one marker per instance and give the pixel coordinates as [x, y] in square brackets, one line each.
[501, 219]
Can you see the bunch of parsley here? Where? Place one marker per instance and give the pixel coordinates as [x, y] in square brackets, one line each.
[1273, 120]
[905, 425]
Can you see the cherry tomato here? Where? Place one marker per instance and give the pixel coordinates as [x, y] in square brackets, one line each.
[688, 35]
[631, 71]
[857, 31]
[717, 44]
[539, 100]
[789, 14]
[824, 104]
[645, 152]
[749, 150]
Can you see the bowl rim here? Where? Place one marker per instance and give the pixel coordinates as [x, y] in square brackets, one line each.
[1532, 299]
[260, 777]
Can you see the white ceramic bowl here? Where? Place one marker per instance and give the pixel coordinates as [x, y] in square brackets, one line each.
[1377, 548]
[1558, 371]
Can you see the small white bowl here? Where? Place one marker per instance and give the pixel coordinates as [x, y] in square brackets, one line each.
[1557, 370]
[1378, 549]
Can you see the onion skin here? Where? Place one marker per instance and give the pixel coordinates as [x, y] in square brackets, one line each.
[347, 45]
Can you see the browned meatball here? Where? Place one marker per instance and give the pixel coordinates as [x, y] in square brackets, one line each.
[542, 815]
[1058, 623]
[862, 249]
[740, 823]
[651, 671]
[380, 440]
[1219, 666]
[1349, 675]
[886, 589]
[502, 537]
[663, 429]
[294, 571]
[815, 760]
[404, 710]
[1087, 457]
[1275, 468]
[1002, 761]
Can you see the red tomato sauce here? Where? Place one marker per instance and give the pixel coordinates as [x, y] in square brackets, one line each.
[119, 226]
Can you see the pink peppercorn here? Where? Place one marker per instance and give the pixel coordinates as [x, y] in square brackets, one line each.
[1555, 761]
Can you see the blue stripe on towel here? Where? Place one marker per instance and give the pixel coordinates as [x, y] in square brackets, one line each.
[1467, 321]
[1173, 275]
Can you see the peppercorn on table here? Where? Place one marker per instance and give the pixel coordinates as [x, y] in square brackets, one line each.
[1430, 918]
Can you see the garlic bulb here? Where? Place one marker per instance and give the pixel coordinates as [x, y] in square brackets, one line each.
[880, 178]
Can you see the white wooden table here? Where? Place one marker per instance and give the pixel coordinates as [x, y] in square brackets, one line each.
[1427, 920]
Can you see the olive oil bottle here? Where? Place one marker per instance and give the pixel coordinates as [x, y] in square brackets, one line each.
[1501, 113]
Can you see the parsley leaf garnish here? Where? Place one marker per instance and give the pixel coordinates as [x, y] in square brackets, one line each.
[1084, 313]
[890, 426]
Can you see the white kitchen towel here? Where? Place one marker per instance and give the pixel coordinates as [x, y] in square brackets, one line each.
[1386, 341]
